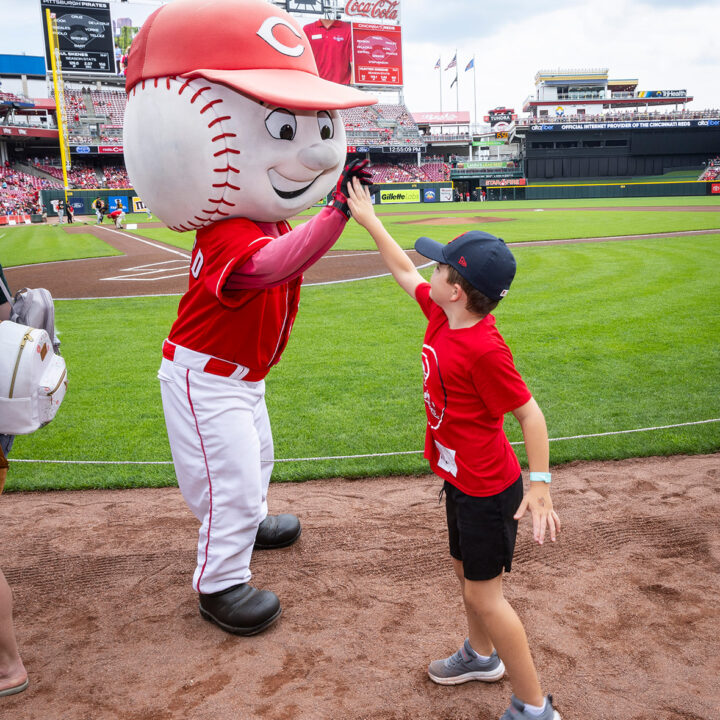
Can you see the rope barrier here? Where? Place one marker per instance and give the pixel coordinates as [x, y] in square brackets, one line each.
[365, 455]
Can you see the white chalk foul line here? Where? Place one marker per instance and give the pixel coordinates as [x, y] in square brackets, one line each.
[182, 253]
[364, 455]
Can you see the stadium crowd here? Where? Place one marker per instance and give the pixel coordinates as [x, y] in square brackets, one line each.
[712, 171]
[626, 116]
[19, 192]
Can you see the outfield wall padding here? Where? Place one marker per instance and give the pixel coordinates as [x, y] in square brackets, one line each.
[616, 190]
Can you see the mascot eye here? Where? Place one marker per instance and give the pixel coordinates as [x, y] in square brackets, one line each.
[281, 124]
[326, 125]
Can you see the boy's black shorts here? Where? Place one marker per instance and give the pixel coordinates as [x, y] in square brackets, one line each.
[482, 530]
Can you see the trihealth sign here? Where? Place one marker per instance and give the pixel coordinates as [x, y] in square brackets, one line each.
[400, 196]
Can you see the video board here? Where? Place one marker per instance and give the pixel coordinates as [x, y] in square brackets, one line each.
[85, 35]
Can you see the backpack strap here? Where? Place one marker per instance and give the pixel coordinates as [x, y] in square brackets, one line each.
[6, 292]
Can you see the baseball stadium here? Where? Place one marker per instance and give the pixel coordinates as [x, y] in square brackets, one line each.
[606, 193]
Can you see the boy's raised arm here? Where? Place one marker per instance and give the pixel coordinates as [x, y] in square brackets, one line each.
[394, 257]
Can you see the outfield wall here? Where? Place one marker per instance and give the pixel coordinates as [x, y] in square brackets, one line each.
[667, 188]
[82, 200]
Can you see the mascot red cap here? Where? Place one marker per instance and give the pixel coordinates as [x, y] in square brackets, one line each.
[187, 38]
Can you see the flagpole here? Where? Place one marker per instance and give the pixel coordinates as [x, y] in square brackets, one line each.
[474, 93]
[441, 72]
[457, 86]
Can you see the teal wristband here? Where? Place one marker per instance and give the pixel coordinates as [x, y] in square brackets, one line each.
[540, 477]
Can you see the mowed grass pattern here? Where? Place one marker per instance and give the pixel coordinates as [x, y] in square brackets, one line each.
[609, 337]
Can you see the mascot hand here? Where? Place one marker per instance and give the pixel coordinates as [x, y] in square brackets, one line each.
[354, 169]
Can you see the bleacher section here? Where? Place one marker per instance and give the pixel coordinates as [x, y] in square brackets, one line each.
[115, 176]
[19, 191]
[626, 116]
[712, 172]
[94, 117]
[380, 125]
[433, 170]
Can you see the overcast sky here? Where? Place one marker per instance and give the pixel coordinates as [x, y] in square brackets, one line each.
[664, 44]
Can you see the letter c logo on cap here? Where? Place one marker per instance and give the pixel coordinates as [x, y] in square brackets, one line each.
[266, 33]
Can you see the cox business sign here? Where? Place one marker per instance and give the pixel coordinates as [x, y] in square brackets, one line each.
[411, 195]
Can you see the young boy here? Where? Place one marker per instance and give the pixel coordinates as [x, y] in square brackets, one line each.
[469, 383]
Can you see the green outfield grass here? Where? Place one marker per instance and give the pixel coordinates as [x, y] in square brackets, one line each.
[609, 337]
[517, 225]
[24, 245]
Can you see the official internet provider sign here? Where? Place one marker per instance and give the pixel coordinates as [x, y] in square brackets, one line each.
[411, 195]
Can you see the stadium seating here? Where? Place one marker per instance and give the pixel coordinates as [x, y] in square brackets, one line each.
[115, 176]
[712, 171]
[19, 191]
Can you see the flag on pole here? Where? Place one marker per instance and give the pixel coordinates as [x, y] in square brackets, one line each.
[454, 81]
[437, 64]
[470, 65]
[453, 63]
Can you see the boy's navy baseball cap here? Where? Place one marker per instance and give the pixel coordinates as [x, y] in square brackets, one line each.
[484, 260]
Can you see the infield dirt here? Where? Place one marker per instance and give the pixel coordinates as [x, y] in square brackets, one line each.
[622, 612]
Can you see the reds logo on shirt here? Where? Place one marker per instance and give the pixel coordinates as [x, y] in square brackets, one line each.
[433, 388]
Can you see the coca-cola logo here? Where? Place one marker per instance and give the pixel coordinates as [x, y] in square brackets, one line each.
[378, 9]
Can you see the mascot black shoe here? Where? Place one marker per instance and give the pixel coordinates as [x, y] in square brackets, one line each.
[241, 609]
[277, 531]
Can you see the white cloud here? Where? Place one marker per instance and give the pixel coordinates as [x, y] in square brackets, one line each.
[663, 46]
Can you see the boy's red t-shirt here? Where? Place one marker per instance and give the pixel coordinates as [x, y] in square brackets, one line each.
[469, 383]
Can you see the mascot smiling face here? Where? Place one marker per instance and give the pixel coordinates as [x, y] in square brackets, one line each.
[233, 121]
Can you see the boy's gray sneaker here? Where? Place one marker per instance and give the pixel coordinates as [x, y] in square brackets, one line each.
[517, 711]
[464, 666]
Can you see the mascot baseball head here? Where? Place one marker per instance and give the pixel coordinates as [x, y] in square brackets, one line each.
[227, 117]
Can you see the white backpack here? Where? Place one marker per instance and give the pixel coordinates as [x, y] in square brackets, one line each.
[34, 307]
[33, 379]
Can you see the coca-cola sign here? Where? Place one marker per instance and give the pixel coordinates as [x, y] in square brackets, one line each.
[374, 9]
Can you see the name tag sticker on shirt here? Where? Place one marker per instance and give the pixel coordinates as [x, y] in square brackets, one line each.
[447, 459]
[316, 37]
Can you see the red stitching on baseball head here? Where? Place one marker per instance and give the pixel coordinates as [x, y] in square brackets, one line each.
[226, 150]
[219, 119]
[210, 104]
[199, 92]
[224, 135]
[180, 91]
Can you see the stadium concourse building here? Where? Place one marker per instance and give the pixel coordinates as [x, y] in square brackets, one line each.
[582, 125]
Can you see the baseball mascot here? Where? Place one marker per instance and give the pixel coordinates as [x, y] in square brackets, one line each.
[229, 132]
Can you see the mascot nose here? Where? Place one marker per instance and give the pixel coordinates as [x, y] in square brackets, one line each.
[320, 156]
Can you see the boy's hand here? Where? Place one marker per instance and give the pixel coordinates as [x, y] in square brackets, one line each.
[360, 203]
[538, 501]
